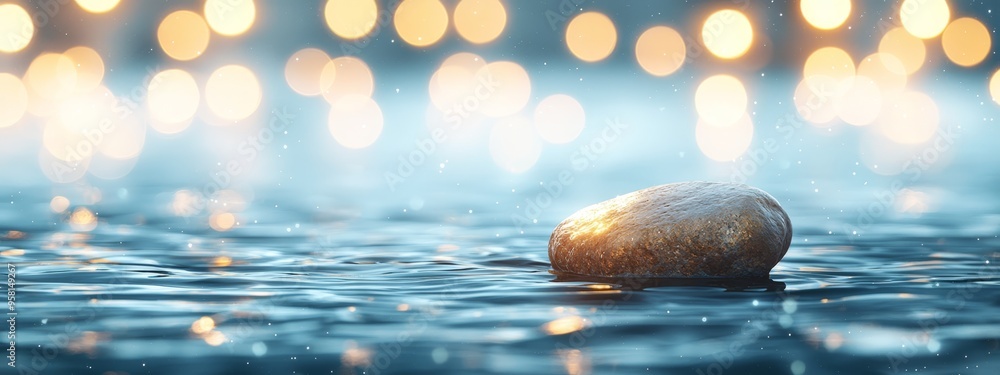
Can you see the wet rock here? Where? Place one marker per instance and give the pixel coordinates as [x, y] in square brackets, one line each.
[687, 229]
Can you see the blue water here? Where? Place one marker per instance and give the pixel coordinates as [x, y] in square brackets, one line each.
[452, 292]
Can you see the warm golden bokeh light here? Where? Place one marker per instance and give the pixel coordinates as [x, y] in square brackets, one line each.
[660, 51]
[825, 14]
[909, 118]
[559, 118]
[230, 17]
[304, 69]
[455, 83]
[351, 19]
[16, 27]
[346, 75]
[222, 261]
[830, 62]
[83, 111]
[89, 67]
[172, 100]
[591, 36]
[97, 6]
[59, 204]
[215, 338]
[83, 220]
[355, 121]
[203, 325]
[183, 35]
[51, 75]
[924, 19]
[421, 22]
[721, 100]
[222, 222]
[727, 33]
[966, 41]
[510, 85]
[480, 21]
[233, 92]
[886, 70]
[13, 100]
[861, 102]
[513, 145]
[724, 144]
[815, 99]
[908, 49]
[995, 87]
[564, 325]
[126, 140]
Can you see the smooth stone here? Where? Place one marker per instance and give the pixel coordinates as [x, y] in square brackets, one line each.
[686, 229]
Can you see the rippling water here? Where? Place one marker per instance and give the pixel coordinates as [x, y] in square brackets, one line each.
[456, 292]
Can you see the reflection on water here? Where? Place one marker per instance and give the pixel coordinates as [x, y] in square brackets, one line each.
[101, 291]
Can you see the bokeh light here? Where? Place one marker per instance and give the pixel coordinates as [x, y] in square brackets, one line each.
[966, 41]
[559, 118]
[510, 85]
[995, 86]
[908, 49]
[724, 144]
[591, 36]
[886, 70]
[87, 110]
[16, 27]
[830, 62]
[172, 100]
[727, 33]
[222, 222]
[125, 141]
[454, 83]
[230, 17]
[421, 22]
[514, 145]
[233, 92]
[355, 121]
[721, 100]
[97, 6]
[59, 204]
[346, 75]
[351, 19]
[89, 67]
[815, 99]
[183, 35]
[83, 220]
[13, 100]
[825, 14]
[924, 19]
[861, 102]
[304, 69]
[51, 75]
[480, 21]
[660, 51]
[910, 117]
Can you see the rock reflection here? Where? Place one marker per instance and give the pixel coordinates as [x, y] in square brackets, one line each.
[641, 283]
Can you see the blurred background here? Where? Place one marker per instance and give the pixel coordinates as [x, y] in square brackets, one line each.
[388, 106]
